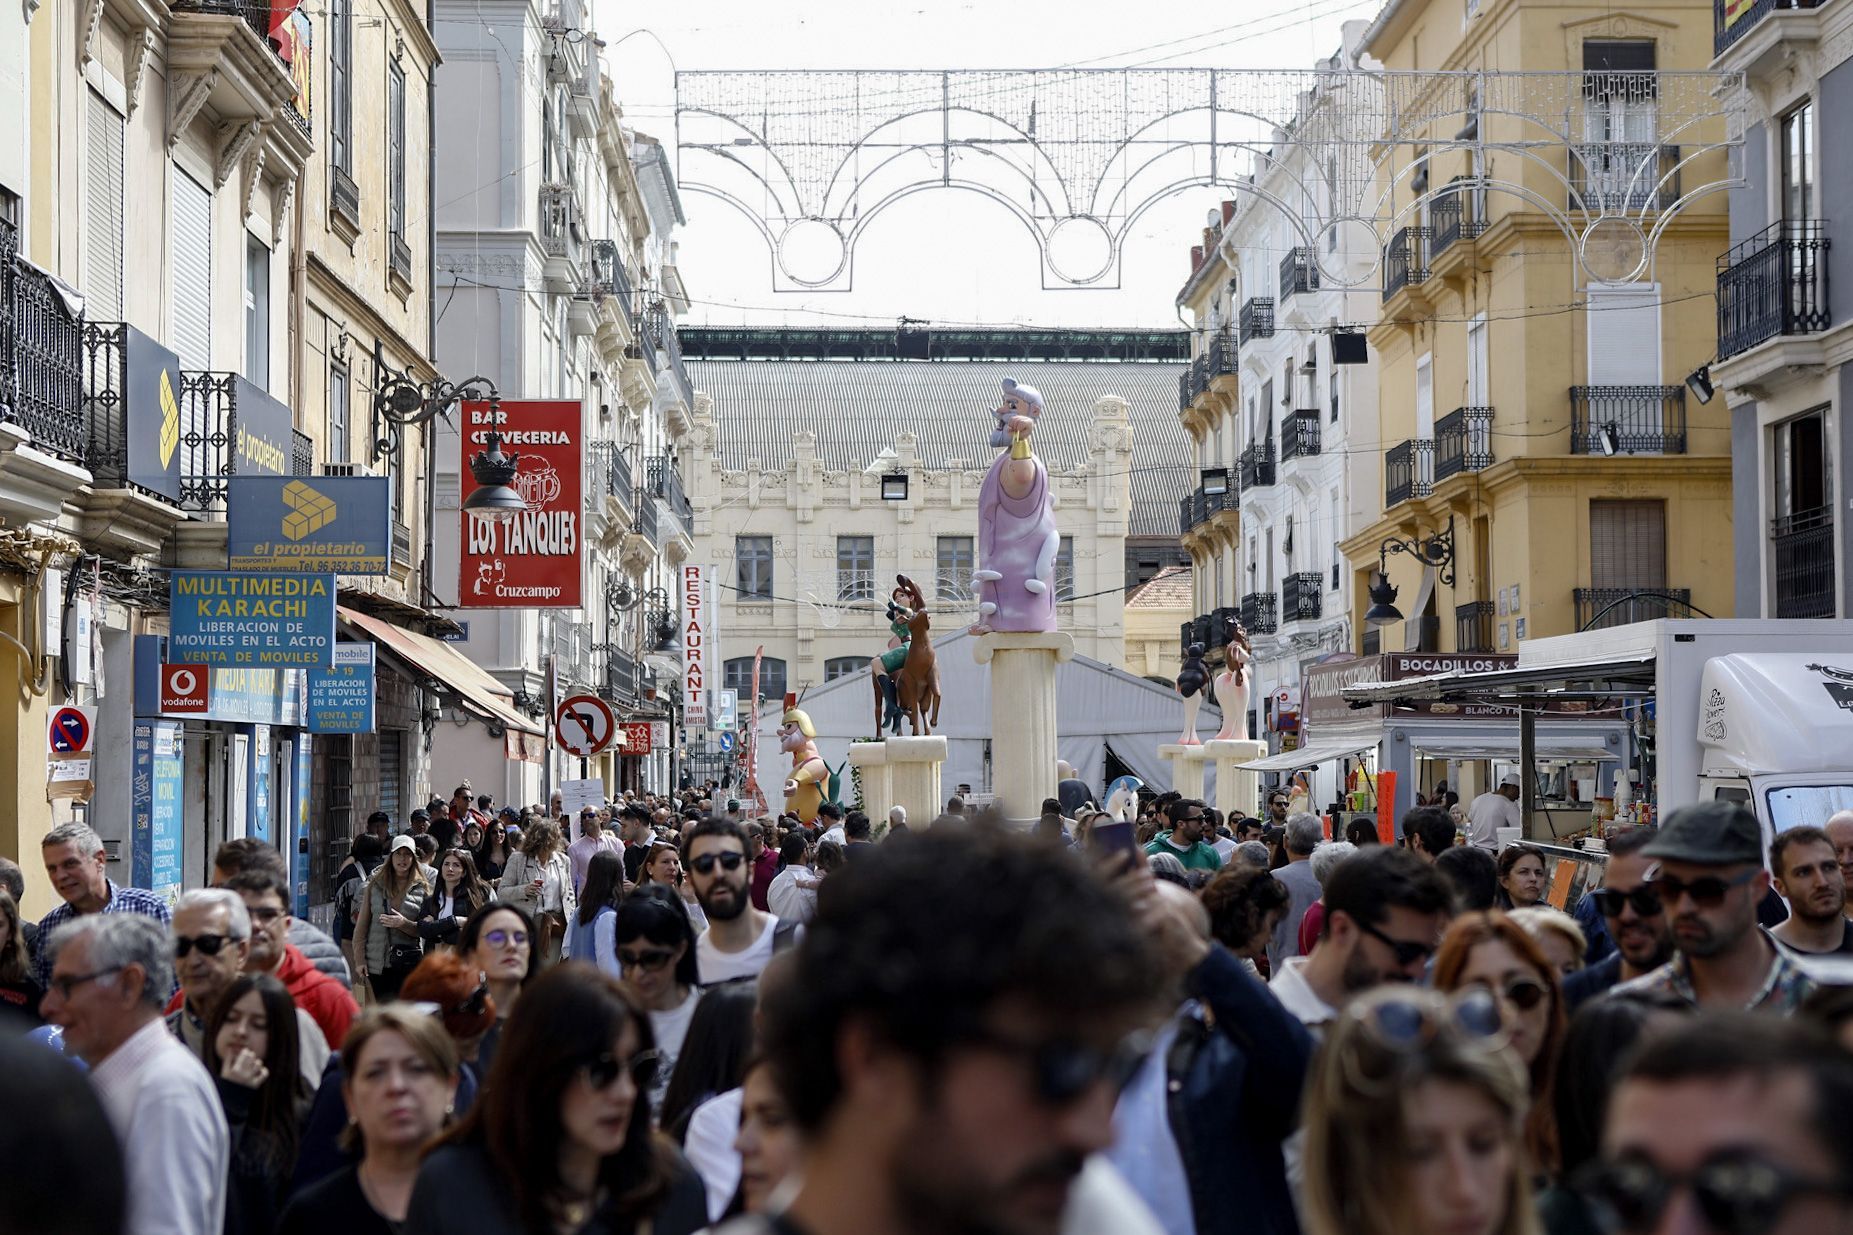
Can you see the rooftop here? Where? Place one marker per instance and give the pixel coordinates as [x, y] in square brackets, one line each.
[1169, 589]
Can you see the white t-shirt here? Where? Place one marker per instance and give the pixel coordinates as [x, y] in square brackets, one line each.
[718, 966]
[670, 1029]
[1487, 814]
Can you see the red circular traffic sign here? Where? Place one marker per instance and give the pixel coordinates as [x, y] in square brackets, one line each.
[584, 725]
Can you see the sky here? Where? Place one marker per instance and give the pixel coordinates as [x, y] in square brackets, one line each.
[950, 258]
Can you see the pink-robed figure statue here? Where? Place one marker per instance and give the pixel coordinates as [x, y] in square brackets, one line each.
[1017, 537]
[1232, 683]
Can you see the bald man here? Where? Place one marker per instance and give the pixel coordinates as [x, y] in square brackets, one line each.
[1839, 829]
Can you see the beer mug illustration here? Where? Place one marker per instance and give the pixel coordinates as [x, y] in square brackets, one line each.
[538, 485]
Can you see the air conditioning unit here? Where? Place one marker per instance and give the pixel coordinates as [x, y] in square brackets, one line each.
[348, 469]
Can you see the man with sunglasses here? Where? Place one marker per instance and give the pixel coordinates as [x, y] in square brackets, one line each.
[740, 939]
[265, 891]
[1709, 879]
[1731, 1124]
[1630, 910]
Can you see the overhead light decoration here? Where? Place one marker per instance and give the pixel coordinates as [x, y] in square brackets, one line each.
[494, 499]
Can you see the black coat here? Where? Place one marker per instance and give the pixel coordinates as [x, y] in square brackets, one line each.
[457, 1190]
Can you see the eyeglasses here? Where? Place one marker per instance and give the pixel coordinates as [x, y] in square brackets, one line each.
[209, 945]
[1400, 1026]
[600, 1072]
[1707, 891]
[650, 958]
[499, 938]
[704, 865]
[1645, 899]
[70, 982]
[1736, 1192]
[476, 1004]
[1062, 1071]
[1408, 951]
[1521, 992]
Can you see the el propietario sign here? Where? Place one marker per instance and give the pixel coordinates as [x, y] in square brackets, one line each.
[532, 561]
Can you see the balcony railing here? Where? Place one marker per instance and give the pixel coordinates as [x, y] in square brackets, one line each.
[1803, 548]
[646, 524]
[1258, 466]
[1196, 508]
[1774, 283]
[666, 483]
[562, 224]
[663, 330]
[41, 356]
[302, 453]
[1627, 420]
[1463, 441]
[1300, 596]
[606, 276]
[1299, 272]
[1459, 214]
[619, 480]
[1726, 30]
[1598, 608]
[1408, 471]
[1299, 434]
[106, 383]
[256, 16]
[1222, 353]
[1473, 626]
[1405, 260]
[1184, 397]
[1623, 176]
[1197, 378]
[1257, 319]
[620, 676]
[854, 584]
[1259, 613]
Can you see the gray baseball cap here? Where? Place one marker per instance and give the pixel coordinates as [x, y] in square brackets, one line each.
[1713, 833]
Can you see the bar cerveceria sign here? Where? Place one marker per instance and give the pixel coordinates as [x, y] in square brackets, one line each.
[530, 561]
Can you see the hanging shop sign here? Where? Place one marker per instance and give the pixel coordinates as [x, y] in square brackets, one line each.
[638, 735]
[695, 595]
[156, 806]
[319, 524]
[532, 560]
[584, 725]
[265, 441]
[248, 620]
[151, 393]
[341, 696]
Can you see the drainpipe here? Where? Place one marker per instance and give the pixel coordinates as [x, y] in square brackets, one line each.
[431, 299]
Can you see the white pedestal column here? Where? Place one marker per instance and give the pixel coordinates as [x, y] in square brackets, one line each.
[1237, 792]
[1186, 768]
[914, 766]
[871, 760]
[1023, 729]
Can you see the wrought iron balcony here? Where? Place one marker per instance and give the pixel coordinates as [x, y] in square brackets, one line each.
[1802, 546]
[1463, 441]
[1257, 319]
[1459, 214]
[1628, 420]
[1198, 378]
[1259, 613]
[1473, 626]
[1408, 471]
[1726, 29]
[1299, 272]
[41, 356]
[619, 479]
[1623, 176]
[663, 330]
[256, 16]
[620, 676]
[106, 383]
[1200, 629]
[562, 236]
[1598, 608]
[1184, 398]
[302, 453]
[1299, 434]
[1300, 596]
[1405, 260]
[1774, 283]
[1196, 508]
[606, 276]
[646, 524]
[1222, 353]
[666, 483]
[1258, 466]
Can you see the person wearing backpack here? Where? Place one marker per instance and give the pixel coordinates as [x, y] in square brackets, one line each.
[740, 939]
[363, 858]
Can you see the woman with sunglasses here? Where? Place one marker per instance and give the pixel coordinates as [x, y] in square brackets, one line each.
[1521, 876]
[1413, 1118]
[663, 867]
[250, 1048]
[499, 941]
[655, 952]
[560, 1140]
[1491, 952]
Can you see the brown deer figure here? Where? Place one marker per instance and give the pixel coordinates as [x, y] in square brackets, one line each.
[917, 683]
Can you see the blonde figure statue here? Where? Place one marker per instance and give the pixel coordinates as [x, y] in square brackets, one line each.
[804, 788]
[1233, 682]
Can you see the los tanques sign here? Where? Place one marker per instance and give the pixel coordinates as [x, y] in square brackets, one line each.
[531, 561]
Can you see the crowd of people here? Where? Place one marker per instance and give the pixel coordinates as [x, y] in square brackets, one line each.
[685, 1017]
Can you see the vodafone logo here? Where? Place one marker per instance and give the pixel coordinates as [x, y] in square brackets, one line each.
[185, 688]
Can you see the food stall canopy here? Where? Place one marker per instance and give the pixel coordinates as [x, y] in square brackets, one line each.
[1564, 750]
[1307, 756]
[1634, 669]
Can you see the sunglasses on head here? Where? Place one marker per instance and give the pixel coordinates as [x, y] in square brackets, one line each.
[1400, 1026]
[1645, 899]
[1707, 891]
[704, 865]
[1061, 1072]
[209, 945]
[600, 1072]
[1736, 1192]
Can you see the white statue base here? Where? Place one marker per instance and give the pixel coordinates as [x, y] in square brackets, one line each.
[1238, 793]
[1023, 716]
[1186, 768]
[871, 760]
[913, 779]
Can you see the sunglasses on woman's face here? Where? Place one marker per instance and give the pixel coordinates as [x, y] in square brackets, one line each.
[601, 1072]
[1522, 993]
[650, 959]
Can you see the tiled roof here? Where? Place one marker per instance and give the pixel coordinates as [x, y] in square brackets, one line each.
[1169, 589]
[857, 409]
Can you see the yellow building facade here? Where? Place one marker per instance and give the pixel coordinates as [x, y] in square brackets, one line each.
[1527, 409]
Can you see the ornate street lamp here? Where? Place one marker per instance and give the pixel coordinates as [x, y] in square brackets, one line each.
[494, 500]
[1435, 551]
[400, 402]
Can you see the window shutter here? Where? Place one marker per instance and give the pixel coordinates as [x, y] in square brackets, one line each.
[192, 266]
[1425, 398]
[392, 770]
[103, 269]
[1476, 361]
[1627, 545]
[1624, 334]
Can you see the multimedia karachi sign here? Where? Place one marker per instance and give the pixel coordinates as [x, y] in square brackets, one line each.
[318, 524]
[245, 620]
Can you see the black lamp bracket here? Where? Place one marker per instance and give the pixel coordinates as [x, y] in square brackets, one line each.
[1435, 550]
[400, 402]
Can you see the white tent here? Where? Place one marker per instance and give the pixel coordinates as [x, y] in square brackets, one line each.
[1100, 707]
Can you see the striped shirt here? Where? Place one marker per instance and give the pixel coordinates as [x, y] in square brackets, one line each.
[121, 900]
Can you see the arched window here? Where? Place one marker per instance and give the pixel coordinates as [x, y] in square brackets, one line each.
[737, 675]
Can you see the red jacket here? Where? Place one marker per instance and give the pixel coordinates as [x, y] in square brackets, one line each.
[324, 999]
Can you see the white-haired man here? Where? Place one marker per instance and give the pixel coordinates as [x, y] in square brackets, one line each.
[110, 975]
[897, 821]
[77, 863]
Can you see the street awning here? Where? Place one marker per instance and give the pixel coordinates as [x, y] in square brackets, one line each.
[1632, 669]
[1566, 750]
[475, 690]
[1307, 756]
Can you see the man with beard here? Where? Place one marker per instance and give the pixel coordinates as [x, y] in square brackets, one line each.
[1710, 879]
[1634, 918]
[1385, 909]
[1807, 874]
[951, 1051]
[740, 939]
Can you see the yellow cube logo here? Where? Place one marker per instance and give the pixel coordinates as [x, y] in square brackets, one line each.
[170, 419]
[309, 511]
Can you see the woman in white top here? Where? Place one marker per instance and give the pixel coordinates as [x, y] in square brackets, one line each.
[656, 954]
[539, 879]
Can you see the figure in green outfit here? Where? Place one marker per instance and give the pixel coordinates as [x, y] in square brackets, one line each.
[903, 603]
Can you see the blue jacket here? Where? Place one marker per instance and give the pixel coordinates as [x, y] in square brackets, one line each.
[1235, 1098]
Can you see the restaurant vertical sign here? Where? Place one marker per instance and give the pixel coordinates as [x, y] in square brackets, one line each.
[696, 603]
[531, 561]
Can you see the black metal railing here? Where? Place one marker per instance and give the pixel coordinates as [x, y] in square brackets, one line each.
[1223, 353]
[1627, 420]
[646, 524]
[1598, 608]
[1299, 272]
[1259, 613]
[1299, 434]
[1458, 214]
[1802, 545]
[106, 409]
[664, 331]
[302, 453]
[1463, 441]
[606, 276]
[256, 16]
[1197, 378]
[666, 483]
[1473, 626]
[618, 476]
[344, 195]
[208, 427]
[1258, 466]
[1726, 31]
[1196, 508]
[1774, 283]
[1183, 391]
[1405, 260]
[620, 676]
[1408, 471]
[1623, 176]
[1257, 319]
[1300, 596]
[41, 357]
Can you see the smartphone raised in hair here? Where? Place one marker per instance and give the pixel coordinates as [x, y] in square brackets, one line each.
[1108, 839]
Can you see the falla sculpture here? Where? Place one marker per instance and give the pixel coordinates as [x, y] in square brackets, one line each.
[1017, 536]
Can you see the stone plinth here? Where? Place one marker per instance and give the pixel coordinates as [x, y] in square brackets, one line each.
[1237, 792]
[1023, 716]
[871, 759]
[914, 778]
[1186, 768]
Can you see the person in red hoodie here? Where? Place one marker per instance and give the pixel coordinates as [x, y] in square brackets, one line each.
[325, 1000]
[765, 857]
